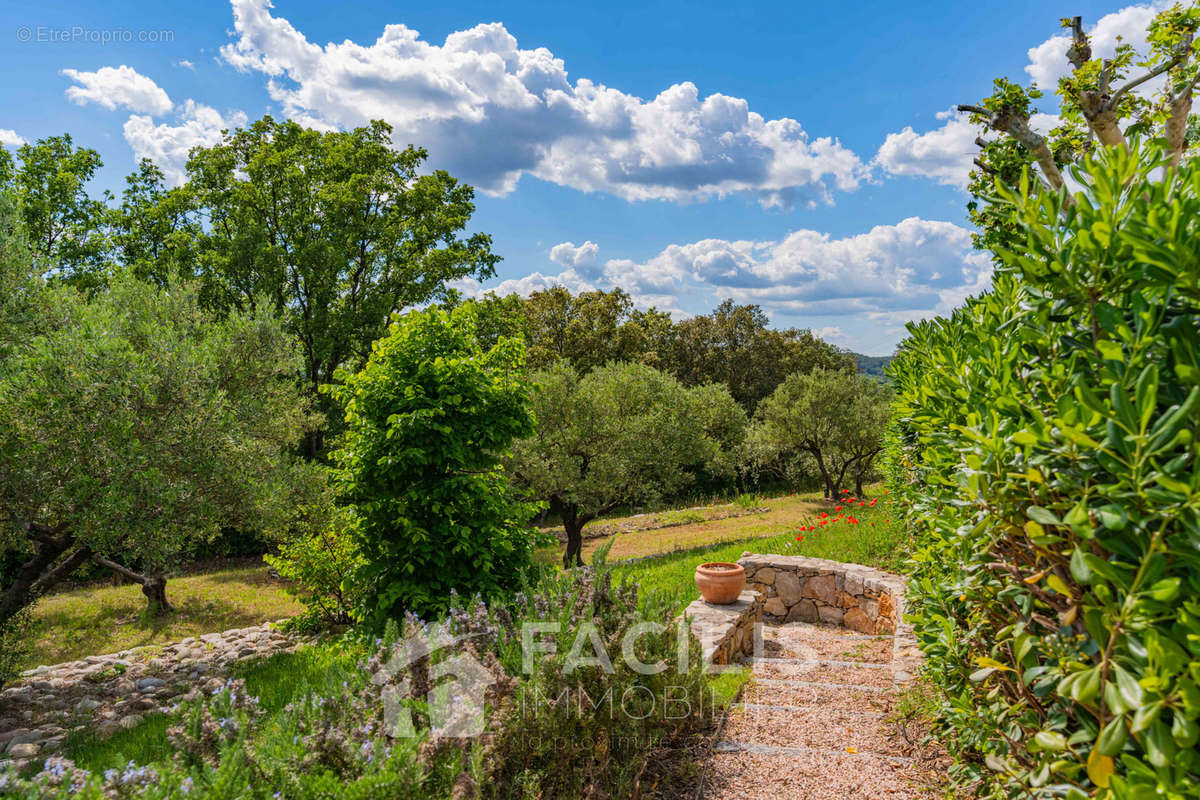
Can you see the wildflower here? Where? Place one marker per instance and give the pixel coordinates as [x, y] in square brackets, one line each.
[852, 519]
[839, 508]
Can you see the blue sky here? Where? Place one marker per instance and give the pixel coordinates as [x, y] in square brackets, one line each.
[800, 156]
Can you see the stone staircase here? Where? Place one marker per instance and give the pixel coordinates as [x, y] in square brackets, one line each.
[814, 723]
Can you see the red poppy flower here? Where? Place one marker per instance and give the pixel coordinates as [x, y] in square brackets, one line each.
[852, 520]
[839, 508]
[800, 538]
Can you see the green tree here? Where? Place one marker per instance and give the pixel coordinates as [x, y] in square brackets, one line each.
[621, 433]
[335, 230]
[429, 418]
[591, 329]
[138, 427]
[734, 346]
[64, 226]
[836, 418]
[154, 231]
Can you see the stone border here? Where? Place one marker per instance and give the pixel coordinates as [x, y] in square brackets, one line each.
[726, 631]
[109, 692]
[868, 600]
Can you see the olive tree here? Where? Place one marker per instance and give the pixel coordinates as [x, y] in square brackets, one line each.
[836, 418]
[621, 433]
[138, 426]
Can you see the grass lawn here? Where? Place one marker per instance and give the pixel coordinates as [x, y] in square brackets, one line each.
[878, 539]
[105, 619]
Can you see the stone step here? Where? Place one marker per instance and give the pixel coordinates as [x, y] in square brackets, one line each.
[823, 729]
[816, 672]
[817, 662]
[792, 693]
[809, 709]
[734, 746]
[766, 773]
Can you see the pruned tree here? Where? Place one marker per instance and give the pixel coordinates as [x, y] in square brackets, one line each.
[622, 433]
[1103, 102]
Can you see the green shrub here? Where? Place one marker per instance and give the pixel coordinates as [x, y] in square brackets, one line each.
[428, 419]
[320, 567]
[1044, 440]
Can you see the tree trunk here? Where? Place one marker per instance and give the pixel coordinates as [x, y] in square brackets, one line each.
[829, 493]
[155, 589]
[154, 585]
[42, 571]
[573, 524]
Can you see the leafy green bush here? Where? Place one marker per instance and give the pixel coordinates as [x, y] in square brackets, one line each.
[320, 566]
[1044, 440]
[428, 419]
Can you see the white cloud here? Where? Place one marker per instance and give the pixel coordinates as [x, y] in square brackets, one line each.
[1048, 61]
[124, 86]
[10, 138]
[168, 145]
[872, 283]
[584, 257]
[491, 112]
[944, 154]
[183, 62]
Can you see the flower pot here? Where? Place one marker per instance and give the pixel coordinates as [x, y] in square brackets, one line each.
[720, 582]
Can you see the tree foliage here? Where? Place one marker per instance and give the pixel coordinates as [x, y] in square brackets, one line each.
[834, 418]
[136, 426]
[336, 230]
[622, 433]
[1045, 438]
[734, 346]
[428, 420]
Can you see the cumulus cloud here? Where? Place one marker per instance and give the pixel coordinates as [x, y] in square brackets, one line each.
[943, 154]
[872, 282]
[168, 145]
[492, 112]
[584, 257]
[10, 138]
[124, 86]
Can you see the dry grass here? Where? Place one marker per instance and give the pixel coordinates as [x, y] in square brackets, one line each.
[104, 619]
[783, 514]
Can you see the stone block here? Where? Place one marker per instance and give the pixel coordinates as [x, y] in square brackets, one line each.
[846, 600]
[830, 614]
[821, 588]
[789, 587]
[765, 576]
[855, 619]
[804, 611]
[775, 607]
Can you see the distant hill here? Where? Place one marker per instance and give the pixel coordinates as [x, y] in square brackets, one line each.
[872, 365]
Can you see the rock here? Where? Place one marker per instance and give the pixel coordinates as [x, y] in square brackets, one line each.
[823, 588]
[22, 751]
[130, 721]
[857, 620]
[831, 615]
[775, 607]
[87, 704]
[853, 583]
[788, 586]
[804, 611]
[846, 600]
[765, 576]
[146, 684]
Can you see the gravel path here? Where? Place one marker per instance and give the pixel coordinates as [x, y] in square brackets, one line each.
[814, 725]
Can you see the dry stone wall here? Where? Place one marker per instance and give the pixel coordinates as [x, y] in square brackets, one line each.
[726, 632]
[864, 599]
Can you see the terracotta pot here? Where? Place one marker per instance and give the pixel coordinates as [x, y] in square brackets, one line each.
[720, 582]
